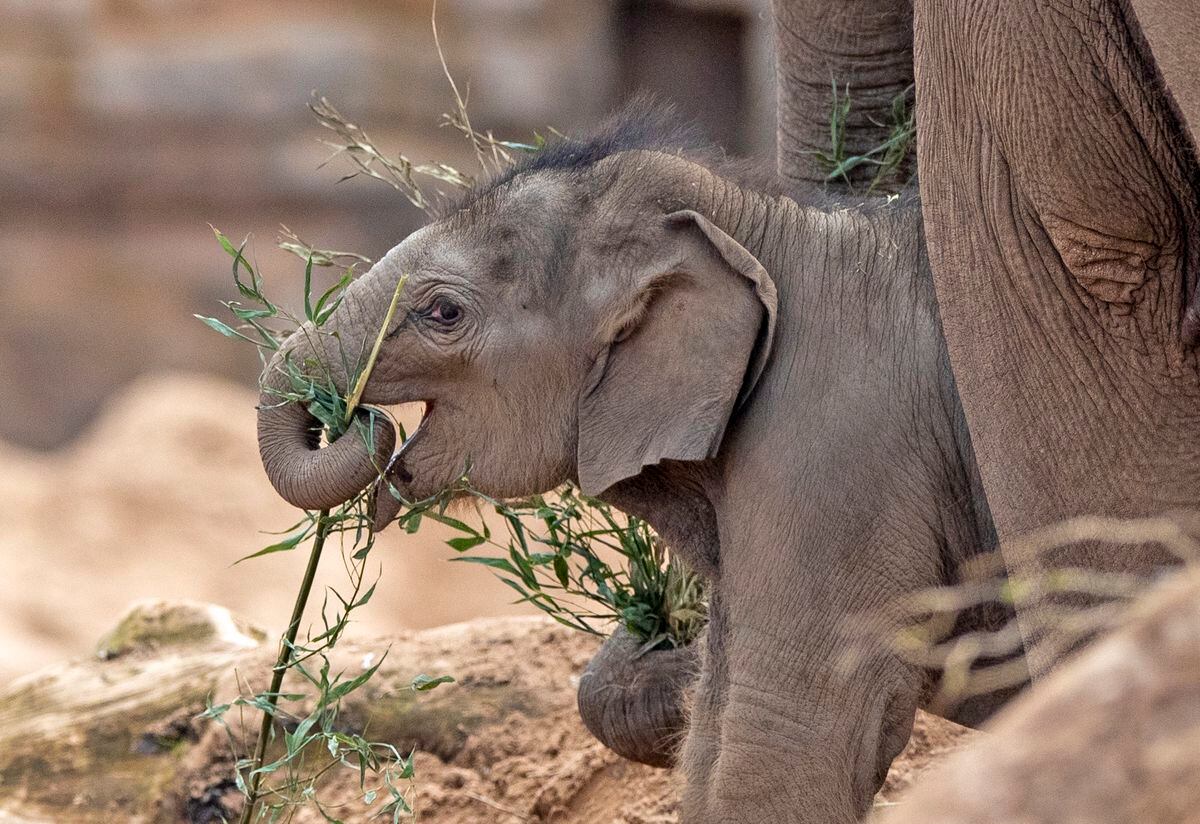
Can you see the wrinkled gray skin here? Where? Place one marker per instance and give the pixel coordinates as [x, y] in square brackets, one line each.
[764, 382]
[635, 700]
[867, 46]
[1061, 195]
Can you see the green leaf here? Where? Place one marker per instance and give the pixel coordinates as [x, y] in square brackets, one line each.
[225, 243]
[366, 597]
[285, 545]
[248, 314]
[254, 290]
[425, 683]
[215, 712]
[495, 563]
[296, 740]
[321, 313]
[344, 688]
[461, 526]
[308, 308]
[465, 543]
[223, 328]
[561, 571]
[407, 768]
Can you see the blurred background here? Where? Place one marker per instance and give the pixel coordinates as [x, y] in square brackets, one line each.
[128, 467]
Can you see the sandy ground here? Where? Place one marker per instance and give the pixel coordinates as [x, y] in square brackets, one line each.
[157, 500]
[540, 764]
[94, 741]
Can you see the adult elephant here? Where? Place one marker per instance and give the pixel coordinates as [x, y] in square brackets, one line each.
[1061, 199]
[862, 46]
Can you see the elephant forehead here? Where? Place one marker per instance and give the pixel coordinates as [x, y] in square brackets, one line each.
[429, 252]
[538, 192]
[409, 252]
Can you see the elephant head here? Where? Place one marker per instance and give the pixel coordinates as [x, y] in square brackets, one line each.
[561, 322]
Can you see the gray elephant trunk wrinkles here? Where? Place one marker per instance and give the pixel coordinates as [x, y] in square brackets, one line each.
[847, 481]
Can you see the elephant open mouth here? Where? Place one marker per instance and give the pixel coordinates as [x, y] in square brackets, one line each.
[396, 475]
[395, 466]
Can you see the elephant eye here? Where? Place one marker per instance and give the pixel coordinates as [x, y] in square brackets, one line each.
[445, 312]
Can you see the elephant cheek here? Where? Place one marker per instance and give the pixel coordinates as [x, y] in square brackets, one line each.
[413, 475]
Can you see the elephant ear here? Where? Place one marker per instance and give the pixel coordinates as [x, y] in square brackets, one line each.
[687, 342]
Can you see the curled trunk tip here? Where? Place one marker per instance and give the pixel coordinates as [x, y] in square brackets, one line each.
[635, 703]
[309, 476]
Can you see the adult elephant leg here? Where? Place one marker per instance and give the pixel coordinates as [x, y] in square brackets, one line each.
[1172, 30]
[863, 44]
[1060, 199]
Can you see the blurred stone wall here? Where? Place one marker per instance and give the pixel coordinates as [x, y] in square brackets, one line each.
[127, 126]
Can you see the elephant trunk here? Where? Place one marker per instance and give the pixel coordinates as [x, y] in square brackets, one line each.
[865, 49]
[304, 473]
[633, 702]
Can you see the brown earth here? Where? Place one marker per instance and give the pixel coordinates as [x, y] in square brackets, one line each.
[117, 739]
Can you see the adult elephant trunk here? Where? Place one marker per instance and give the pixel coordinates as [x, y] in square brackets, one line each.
[863, 44]
[304, 473]
[633, 702]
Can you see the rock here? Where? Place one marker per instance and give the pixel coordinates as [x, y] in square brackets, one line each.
[117, 737]
[153, 625]
[1112, 736]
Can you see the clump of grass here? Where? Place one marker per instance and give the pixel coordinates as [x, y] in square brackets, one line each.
[888, 157]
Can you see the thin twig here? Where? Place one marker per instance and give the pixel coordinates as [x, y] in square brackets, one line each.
[324, 525]
[459, 103]
[496, 806]
[361, 383]
[282, 663]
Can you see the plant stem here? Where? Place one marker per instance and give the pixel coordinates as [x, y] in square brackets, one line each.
[361, 383]
[286, 651]
[288, 646]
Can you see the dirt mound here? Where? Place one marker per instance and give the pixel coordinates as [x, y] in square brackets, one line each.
[117, 739]
[158, 500]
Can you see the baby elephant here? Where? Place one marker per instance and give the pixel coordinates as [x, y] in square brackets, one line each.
[761, 379]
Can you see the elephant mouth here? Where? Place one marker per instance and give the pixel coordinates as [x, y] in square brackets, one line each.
[395, 468]
[397, 459]
[386, 504]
